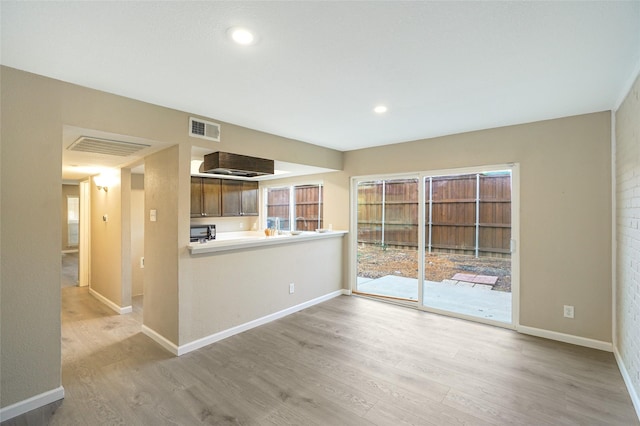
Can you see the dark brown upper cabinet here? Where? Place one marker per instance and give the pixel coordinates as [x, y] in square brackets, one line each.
[205, 197]
[239, 198]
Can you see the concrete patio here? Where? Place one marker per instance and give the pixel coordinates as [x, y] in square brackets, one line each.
[461, 297]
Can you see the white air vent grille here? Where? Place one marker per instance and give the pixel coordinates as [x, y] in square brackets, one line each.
[204, 129]
[106, 146]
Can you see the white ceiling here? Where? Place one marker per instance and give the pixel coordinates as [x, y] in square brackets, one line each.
[319, 68]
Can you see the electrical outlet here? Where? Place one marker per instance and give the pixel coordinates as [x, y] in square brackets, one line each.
[241, 225]
[292, 288]
[141, 262]
[568, 311]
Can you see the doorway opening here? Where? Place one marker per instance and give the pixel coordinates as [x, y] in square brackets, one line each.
[440, 241]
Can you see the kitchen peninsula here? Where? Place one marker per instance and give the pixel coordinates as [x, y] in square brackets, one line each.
[245, 279]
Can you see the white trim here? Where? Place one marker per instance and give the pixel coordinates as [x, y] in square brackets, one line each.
[32, 403]
[614, 234]
[346, 292]
[515, 237]
[627, 381]
[84, 244]
[110, 304]
[160, 339]
[627, 86]
[566, 338]
[205, 341]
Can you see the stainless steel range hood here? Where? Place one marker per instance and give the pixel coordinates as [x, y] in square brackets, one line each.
[226, 163]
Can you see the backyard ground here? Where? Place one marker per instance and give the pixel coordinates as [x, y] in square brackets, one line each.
[375, 262]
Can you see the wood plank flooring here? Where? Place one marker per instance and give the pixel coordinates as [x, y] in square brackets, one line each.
[348, 361]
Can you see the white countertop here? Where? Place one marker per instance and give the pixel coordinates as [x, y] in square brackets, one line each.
[239, 240]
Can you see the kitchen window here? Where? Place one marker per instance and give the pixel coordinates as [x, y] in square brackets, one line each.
[294, 208]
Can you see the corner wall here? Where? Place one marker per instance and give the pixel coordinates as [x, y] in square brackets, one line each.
[30, 264]
[627, 172]
[160, 312]
[110, 243]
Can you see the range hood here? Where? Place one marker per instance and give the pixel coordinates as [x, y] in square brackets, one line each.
[226, 163]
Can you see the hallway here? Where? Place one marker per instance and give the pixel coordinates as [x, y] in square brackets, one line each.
[69, 273]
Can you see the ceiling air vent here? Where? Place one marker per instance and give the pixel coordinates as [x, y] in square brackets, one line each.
[106, 146]
[204, 129]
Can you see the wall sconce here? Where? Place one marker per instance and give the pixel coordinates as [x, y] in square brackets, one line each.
[101, 182]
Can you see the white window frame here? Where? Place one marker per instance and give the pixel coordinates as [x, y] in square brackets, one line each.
[292, 201]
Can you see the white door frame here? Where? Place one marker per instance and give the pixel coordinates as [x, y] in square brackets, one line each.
[84, 244]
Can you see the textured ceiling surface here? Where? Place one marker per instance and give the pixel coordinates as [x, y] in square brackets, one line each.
[319, 68]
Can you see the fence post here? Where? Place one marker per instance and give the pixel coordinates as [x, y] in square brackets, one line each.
[477, 212]
[384, 191]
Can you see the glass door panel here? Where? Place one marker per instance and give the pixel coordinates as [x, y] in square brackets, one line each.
[387, 232]
[467, 236]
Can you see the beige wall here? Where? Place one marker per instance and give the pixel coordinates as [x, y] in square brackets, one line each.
[106, 242]
[628, 234]
[565, 217]
[29, 293]
[224, 290]
[160, 307]
[67, 191]
[137, 233]
[30, 296]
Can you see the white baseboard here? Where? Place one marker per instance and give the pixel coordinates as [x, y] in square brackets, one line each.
[205, 341]
[120, 310]
[566, 338]
[160, 339]
[627, 381]
[32, 403]
[346, 292]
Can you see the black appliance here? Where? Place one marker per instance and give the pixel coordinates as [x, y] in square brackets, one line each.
[202, 233]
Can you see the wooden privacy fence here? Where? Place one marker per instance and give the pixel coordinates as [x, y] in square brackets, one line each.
[307, 202]
[468, 214]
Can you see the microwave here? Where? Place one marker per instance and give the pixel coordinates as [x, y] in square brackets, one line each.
[202, 233]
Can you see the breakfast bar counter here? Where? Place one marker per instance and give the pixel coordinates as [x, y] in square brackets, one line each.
[226, 241]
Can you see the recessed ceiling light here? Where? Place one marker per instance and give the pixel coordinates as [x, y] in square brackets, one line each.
[241, 36]
[380, 109]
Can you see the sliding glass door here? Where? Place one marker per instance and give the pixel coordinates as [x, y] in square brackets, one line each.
[438, 241]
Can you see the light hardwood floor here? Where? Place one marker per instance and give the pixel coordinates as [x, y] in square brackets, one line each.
[348, 361]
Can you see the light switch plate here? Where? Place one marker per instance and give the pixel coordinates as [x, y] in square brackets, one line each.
[153, 215]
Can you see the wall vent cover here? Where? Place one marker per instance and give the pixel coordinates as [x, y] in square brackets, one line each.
[204, 129]
[106, 146]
